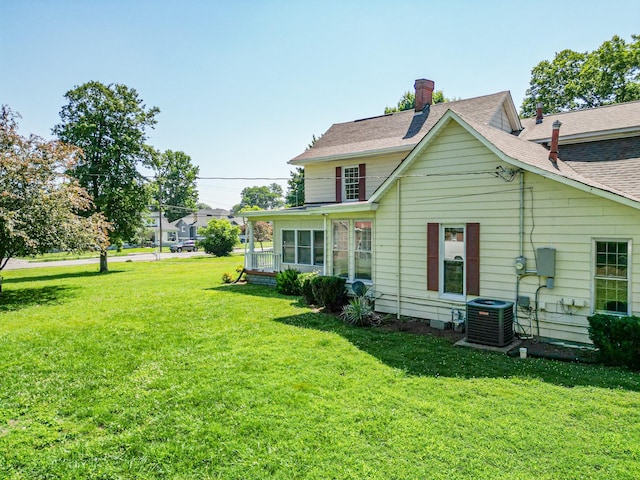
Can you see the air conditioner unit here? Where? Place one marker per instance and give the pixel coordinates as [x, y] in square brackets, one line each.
[490, 322]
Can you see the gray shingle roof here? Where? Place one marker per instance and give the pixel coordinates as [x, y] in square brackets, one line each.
[397, 130]
[610, 118]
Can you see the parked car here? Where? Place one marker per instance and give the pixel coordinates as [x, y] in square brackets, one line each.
[187, 246]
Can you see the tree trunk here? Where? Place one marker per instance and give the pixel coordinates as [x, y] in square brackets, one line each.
[103, 262]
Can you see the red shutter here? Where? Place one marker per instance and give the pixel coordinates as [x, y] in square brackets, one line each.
[433, 257]
[473, 258]
[362, 185]
[338, 184]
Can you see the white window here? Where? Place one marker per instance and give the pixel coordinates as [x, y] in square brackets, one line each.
[452, 260]
[351, 183]
[304, 247]
[352, 249]
[171, 236]
[611, 278]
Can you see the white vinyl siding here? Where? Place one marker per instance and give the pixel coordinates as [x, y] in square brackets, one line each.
[452, 183]
[319, 178]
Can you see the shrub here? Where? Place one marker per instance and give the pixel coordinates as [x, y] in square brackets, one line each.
[287, 282]
[219, 237]
[359, 311]
[305, 287]
[617, 339]
[329, 292]
[227, 277]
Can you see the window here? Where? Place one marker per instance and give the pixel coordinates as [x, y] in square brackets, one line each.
[352, 244]
[171, 236]
[611, 279]
[453, 259]
[304, 247]
[351, 181]
[341, 248]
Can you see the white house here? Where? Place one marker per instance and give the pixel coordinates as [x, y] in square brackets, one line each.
[456, 201]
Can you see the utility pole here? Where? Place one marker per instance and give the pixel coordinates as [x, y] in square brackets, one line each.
[160, 216]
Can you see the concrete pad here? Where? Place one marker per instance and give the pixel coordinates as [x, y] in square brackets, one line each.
[490, 348]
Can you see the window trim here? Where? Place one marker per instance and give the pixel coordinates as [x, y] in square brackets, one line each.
[295, 231]
[594, 256]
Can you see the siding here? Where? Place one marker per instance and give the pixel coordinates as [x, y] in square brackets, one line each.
[501, 121]
[320, 185]
[452, 182]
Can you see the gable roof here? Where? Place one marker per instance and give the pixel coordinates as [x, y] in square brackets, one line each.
[401, 130]
[593, 123]
[521, 153]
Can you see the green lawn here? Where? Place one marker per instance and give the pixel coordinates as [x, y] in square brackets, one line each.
[51, 257]
[157, 370]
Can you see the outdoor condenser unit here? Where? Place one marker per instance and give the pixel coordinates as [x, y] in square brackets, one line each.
[490, 322]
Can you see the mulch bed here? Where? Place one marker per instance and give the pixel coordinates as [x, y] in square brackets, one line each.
[535, 348]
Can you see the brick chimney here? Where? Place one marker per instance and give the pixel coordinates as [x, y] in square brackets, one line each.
[539, 113]
[553, 153]
[424, 93]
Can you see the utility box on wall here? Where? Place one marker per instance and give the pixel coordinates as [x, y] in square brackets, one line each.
[546, 262]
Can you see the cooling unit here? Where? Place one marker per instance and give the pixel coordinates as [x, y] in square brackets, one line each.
[490, 322]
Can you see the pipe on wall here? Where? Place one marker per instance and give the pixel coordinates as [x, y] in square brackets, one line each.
[398, 250]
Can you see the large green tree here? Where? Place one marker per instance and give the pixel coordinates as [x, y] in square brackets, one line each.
[175, 184]
[110, 123]
[295, 188]
[264, 197]
[575, 80]
[41, 207]
[408, 101]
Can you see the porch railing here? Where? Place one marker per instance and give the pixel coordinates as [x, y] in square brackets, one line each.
[263, 261]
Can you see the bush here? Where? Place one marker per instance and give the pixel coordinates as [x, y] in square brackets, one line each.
[219, 237]
[305, 287]
[329, 292]
[227, 277]
[617, 339]
[287, 282]
[359, 311]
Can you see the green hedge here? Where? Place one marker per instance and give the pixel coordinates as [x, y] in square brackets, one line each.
[330, 292]
[617, 339]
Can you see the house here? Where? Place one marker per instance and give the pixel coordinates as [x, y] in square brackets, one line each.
[152, 225]
[187, 226]
[451, 202]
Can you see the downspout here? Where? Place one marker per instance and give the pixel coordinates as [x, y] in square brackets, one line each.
[521, 213]
[326, 241]
[398, 248]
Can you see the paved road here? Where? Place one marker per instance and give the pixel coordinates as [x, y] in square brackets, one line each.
[15, 263]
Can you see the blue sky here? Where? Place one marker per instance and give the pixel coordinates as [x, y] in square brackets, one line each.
[243, 85]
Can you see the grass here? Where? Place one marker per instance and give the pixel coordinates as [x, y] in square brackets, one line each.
[157, 370]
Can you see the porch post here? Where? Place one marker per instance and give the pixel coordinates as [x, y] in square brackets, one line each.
[249, 260]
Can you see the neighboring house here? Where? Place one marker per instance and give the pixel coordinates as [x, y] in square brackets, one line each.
[169, 230]
[187, 227]
[454, 201]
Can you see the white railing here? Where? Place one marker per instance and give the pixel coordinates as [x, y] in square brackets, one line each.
[263, 261]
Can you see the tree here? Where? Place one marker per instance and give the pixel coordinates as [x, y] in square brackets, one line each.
[175, 184]
[265, 197]
[295, 189]
[262, 232]
[408, 101]
[219, 237]
[41, 207]
[573, 80]
[203, 206]
[109, 123]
